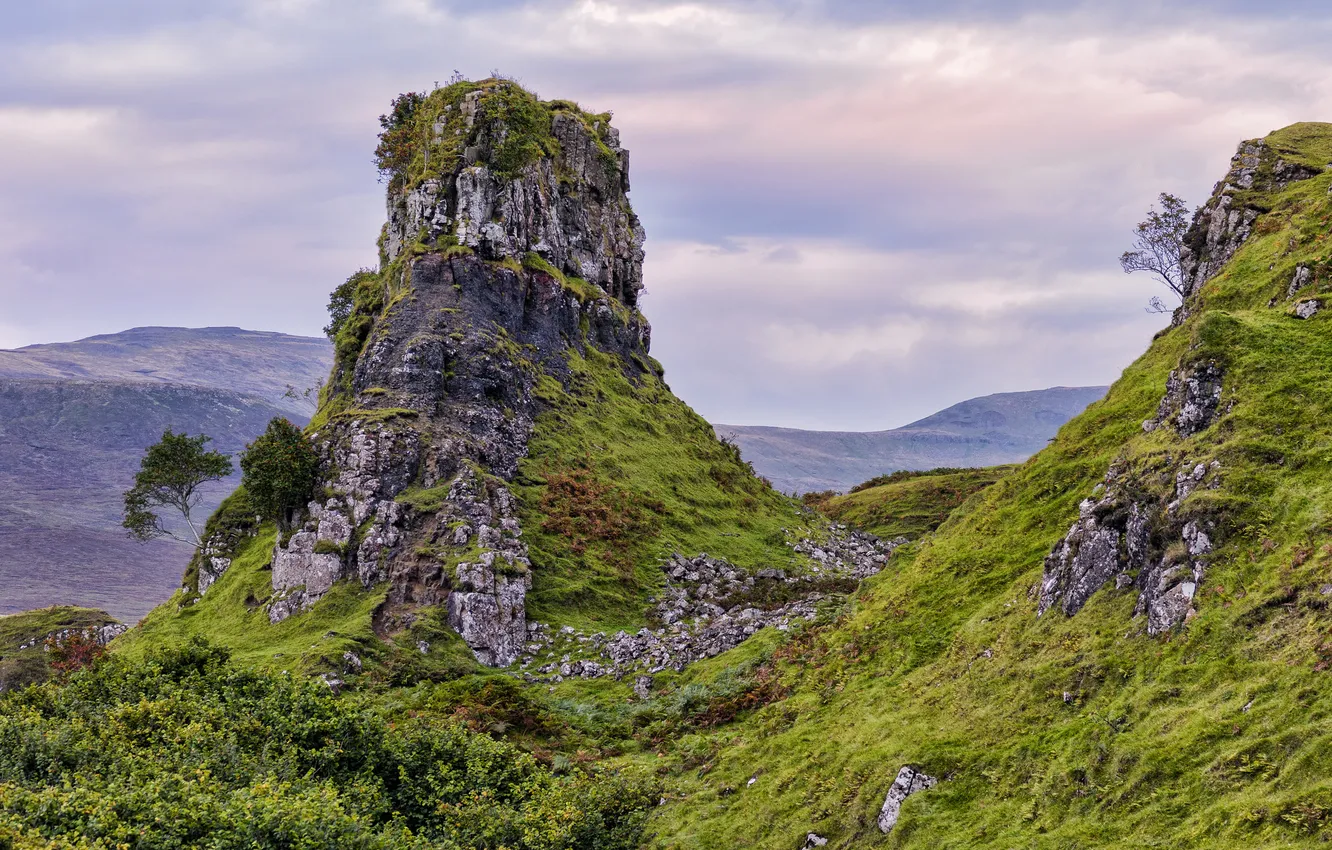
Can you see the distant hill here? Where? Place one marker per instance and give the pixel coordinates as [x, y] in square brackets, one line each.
[74, 421]
[261, 364]
[986, 431]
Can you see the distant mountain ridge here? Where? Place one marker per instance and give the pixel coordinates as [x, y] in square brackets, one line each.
[263, 364]
[74, 420]
[986, 431]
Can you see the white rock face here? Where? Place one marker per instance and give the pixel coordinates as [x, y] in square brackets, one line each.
[489, 611]
[909, 781]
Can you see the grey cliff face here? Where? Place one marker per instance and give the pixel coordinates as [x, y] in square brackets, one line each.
[1127, 534]
[1225, 222]
[581, 224]
[439, 406]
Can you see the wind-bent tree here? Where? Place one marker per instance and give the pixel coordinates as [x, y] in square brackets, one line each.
[279, 471]
[1158, 244]
[170, 475]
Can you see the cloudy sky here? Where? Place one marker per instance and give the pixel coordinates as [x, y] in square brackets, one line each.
[857, 212]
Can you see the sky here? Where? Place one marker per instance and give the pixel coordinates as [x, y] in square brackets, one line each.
[857, 212]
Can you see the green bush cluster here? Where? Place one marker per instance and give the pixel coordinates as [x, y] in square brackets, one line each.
[186, 749]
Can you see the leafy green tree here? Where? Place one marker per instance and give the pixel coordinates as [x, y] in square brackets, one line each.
[170, 475]
[1158, 246]
[279, 471]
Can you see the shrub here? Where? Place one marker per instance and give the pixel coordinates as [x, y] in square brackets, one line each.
[279, 471]
[185, 749]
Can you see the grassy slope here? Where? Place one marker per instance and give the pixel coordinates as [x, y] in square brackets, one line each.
[230, 615]
[30, 665]
[651, 444]
[910, 504]
[1083, 732]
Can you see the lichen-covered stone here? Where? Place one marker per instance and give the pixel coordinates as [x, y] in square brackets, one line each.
[1125, 534]
[570, 209]
[910, 780]
[1192, 399]
[1223, 224]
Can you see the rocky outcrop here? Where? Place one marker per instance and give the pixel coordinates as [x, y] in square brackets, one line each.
[909, 781]
[1223, 224]
[427, 425]
[710, 606]
[1192, 399]
[1127, 534]
[100, 634]
[570, 209]
[1306, 309]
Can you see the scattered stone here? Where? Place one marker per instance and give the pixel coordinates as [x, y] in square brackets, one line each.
[699, 614]
[909, 781]
[101, 635]
[814, 840]
[334, 682]
[1306, 309]
[423, 647]
[642, 686]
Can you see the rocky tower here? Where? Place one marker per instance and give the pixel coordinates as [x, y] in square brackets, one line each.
[510, 242]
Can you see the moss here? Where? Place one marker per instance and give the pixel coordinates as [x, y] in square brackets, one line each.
[424, 500]
[428, 136]
[377, 414]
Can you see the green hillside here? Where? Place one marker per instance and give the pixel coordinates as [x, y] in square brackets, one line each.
[1123, 642]
[909, 504]
[1084, 731]
[23, 653]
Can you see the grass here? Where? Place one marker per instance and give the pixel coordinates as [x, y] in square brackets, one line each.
[24, 666]
[231, 614]
[1081, 732]
[909, 504]
[696, 495]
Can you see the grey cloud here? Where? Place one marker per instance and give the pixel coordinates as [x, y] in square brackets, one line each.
[232, 184]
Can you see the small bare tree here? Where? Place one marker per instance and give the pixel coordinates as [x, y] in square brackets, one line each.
[1158, 244]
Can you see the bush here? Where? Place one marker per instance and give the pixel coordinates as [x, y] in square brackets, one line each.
[279, 471]
[187, 749]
